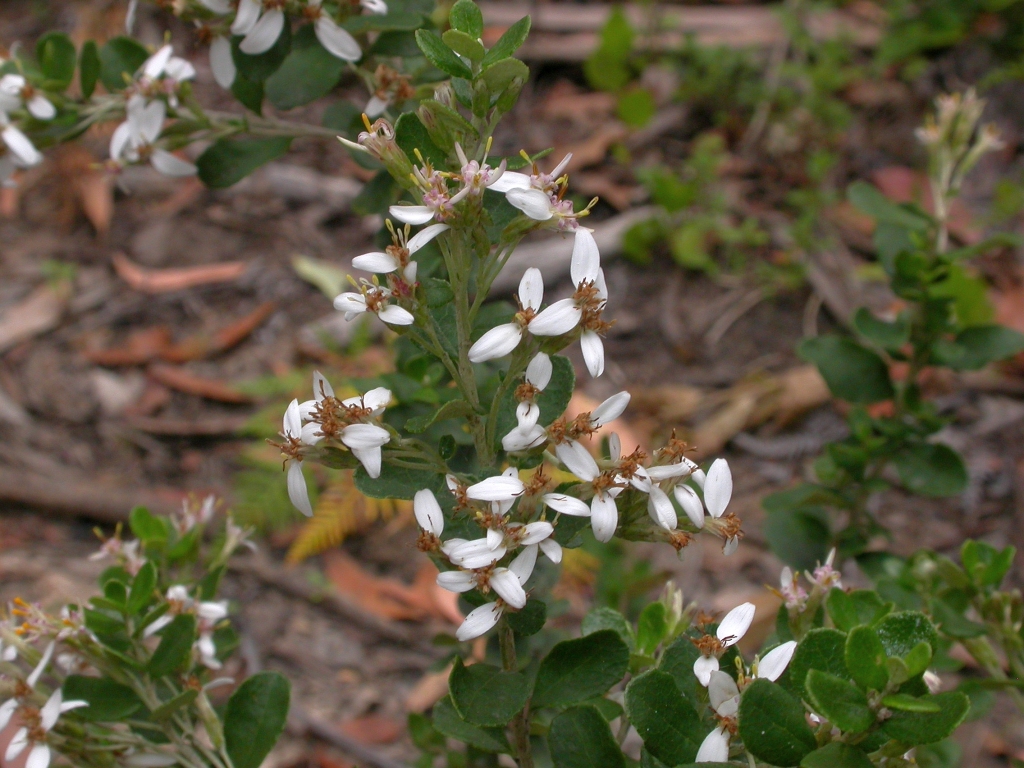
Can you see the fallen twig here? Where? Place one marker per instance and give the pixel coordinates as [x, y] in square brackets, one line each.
[70, 497]
[167, 280]
[184, 381]
[291, 582]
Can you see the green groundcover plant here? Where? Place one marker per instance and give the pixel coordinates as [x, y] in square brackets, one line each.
[472, 427]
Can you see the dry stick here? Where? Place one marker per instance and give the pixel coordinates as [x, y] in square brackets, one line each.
[291, 582]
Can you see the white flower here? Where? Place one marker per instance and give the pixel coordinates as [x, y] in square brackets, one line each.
[718, 488]
[15, 92]
[604, 514]
[723, 694]
[610, 409]
[164, 63]
[527, 434]
[17, 150]
[428, 512]
[733, 627]
[690, 502]
[498, 488]
[504, 582]
[397, 256]
[375, 299]
[714, 748]
[501, 340]
[477, 553]
[221, 62]
[134, 139]
[365, 441]
[775, 661]
[566, 505]
[260, 29]
[542, 181]
[297, 491]
[338, 41]
[208, 615]
[479, 621]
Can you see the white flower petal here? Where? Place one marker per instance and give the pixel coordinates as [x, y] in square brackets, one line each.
[474, 554]
[723, 694]
[350, 302]
[222, 63]
[666, 471]
[44, 661]
[604, 517]
[731, 546]
[586, 260]
[20, 146]
[39, 757]
[293, 419]
[735, 624]
[393, 314]
[538, 372]
[497, 488]
[119, 140]
[527, 415]
[532, 202]
[171, 165]
[690, 502]
[297, 491]
[560, 317]
[510, 180]
[456, 581]
[523, 564]
[496, 343]
[566, 505]
[534, 533]
[17, 744]
[146, 120]
[552, 549]
[714, 748]
[425, 235]
[412, 214]
[338, 41]
[365, 436]
[221, 7]
[610, 409]
[6, 711]
[506, 585]
[370, 458]
[718, 488]
[593, 352]
[494, 537]
[154, 66]
[51, 710]
[377, 399]
[479, 621]
[614, 445]
[264, 34]
[375, 106]
[40, 108]
[531, 289]
[577, 459]
[378, 7]
[698, 477]
[428, 512]
[775, 661]
[703, 667]
[518, 440]
[660, 508]
[180, 69]
[247, 16]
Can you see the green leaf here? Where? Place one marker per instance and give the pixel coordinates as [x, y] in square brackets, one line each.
[261, 66]
[120, 58]
[448, 722]
[394, 21]
[900, 632]
[173, 704]
[108, 700]
[839, 701]
[248, 92]
[438, 292]
[608, 68]
[667, 723]
[822, 649]
[852, 372]
[463, 44]
[836, 755]
[865, 659]
[581, 738]
[147, 527]
[486, 695]
[56, 56]
[308, 73]
[397, 482]
[799, 537]
[440, 55]
[228, 161]
[651, 628]
[89, 68]
[255, 717]
[885, 334]
[175, 650]
[508, 43]
[636, 107]
[530, 619]
[772, 725]
[465, 16]
[453, 409]
[377, 194]
[918, 659]
[867, 199]
[410, 135]
[914, 728]
[978, 346]
[852, 609]
[678, 661]
[607, 618]
[500, 75]
[577, 670]
[931, 469]
[142, 589]
[906, 703]
[552, 401]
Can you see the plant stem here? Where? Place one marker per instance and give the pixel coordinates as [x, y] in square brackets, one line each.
[521, 722]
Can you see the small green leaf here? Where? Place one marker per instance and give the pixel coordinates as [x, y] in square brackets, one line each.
[120, 58]
[228, 161]
[89, 68]
[56, 56]
[448, 722]
[867, 199]
[607, 618]
[255, 717]
[581, 738]
[887, 335]
[453, 409]
[978, 346]
[772, 725]
[918, 659]
[839, 701]
[667, 723]
[108, 701]
[865, 659]
[175, 650]
[855, 608]
[410, 135]
[822, 649]
[651, 628]
[931, 469]
[397, 482]
[608, 67]
[485, 695]
[900, 632]
[528, 620]
[308, 73]
[914, 728]
[463, 44]
[173, 704]
[906, 703]
[852, 372]
[142, 589]
[577, 670]
[248, 92]
[636, 107]
[465, 16]
[500, 75]
[147, 527]
[440, 55]
[836, 755]
[508, 43]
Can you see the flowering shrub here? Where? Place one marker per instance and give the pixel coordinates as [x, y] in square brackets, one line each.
[127, 679]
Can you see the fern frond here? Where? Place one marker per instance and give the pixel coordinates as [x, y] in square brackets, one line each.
[340, 512]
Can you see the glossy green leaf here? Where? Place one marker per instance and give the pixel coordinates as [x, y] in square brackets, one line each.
[865, 659]
[261, 66]
[799, 537]
[608, 618]
[509, 42]
[453, 409]
[580, 738]
[900, 632]
[143, 586]
[839, 701]
[577, 670]
[308, 73]
[228, 161]
[108, 701]
[890, 335]
[906, 703]
[486, 695]
[465, 16]
[667, 723]
[980, 345]
[254, 718]
[500, 75]
[773, 726]
[914, 728]
[855, 608]
[852, 372]
[440, 55]
[150, 529]
[464, 44]
[651, 628]
[529, 620]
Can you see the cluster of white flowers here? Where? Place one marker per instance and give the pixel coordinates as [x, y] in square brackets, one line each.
[154, 88]
[353, 422]
[16, 149]
[208, 613]
[35, 721]
[723, 691]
